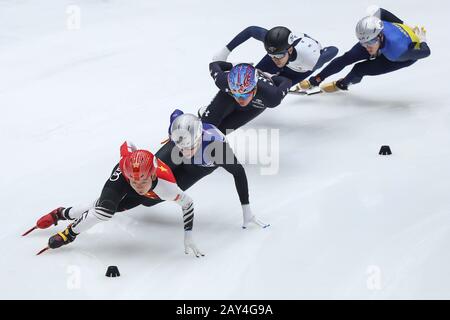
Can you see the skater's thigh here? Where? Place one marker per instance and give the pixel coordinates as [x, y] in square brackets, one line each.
[239, 118]
[129, 202]
[219, 108]
[191, 174]
[380, 65]
[114, 190]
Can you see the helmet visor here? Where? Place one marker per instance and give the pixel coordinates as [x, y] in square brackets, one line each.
[279, 55]
[371, 43]
[242, 96]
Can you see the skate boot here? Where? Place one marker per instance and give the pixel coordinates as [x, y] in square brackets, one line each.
[49, 219]
[62, 238]
[307, 84]
[304, 85]
[334, 86]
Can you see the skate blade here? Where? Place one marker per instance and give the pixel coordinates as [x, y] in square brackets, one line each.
[308, 92]
[27, 232]
[42, 251]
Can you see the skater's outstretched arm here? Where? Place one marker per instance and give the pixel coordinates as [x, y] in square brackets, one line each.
[218, 71]
[255, 32]
[388, 16]
[168, 190]
[231, 164]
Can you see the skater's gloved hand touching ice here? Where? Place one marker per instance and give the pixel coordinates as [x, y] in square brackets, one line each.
[189, 245]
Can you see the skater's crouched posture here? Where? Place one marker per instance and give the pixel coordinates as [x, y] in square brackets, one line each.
[290, 55]
[244, 93]
[195, 150]
[138, 179]
[385, 45]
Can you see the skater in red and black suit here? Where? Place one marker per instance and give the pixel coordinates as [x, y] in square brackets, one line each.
[138, 179]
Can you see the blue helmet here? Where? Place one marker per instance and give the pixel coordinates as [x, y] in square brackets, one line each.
[242, 78]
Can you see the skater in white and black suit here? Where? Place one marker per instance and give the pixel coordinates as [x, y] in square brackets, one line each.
[291, 55]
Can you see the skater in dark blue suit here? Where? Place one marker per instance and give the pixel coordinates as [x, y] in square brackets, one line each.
[385, 45]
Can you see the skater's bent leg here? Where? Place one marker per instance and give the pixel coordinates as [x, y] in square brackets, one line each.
[355, 54]
[190, 174]
[295, 76]
[238, 118]
[326, 55]
[75, 212]
[129, 202]
[104, 210]
[114, 191]
[378, 66]
[219, 108]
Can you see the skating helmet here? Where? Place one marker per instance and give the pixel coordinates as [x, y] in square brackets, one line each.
[139, 165]
[186, 132]
[368, 29]
[278, 40]
[242, 79]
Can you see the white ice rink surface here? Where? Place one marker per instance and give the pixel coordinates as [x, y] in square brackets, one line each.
[345, 222]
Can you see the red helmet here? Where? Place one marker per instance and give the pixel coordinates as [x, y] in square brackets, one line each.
[139, 164]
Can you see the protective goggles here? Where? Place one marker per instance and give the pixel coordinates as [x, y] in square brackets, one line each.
[242, 96]
[279, 55]
[371, 42]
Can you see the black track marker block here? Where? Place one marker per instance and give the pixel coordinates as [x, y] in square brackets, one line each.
[113, 272]
[385, 150]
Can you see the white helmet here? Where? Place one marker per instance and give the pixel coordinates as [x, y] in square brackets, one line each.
[368, 28]
[186, 131]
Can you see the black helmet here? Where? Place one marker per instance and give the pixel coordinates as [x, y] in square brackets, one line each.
[278, 40]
